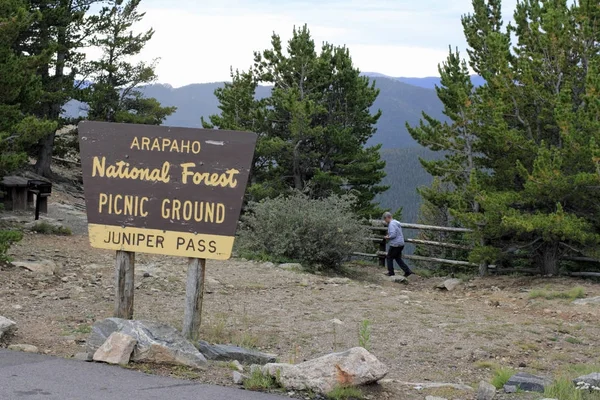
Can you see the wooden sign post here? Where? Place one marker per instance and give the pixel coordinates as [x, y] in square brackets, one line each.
[163, 190]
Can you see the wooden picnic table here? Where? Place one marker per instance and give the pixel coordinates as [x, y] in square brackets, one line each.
[19, 196]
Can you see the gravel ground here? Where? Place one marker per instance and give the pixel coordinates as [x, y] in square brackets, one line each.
[422, 334]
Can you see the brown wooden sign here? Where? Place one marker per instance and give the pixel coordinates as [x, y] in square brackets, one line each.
[163, 190]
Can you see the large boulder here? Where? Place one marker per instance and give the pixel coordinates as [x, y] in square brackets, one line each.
[527, 383]
[7, 327]
[591, 380]
[221, 352]
[156, 343]
[116, 350]
[353, 367]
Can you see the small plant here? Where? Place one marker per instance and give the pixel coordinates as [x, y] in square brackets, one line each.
[46, 228]
[563, 389]
[7, 239]
[345, 393]
[501, 376]
[486, 365]
[573, 340]
[364, 334]
[574, 293]
[258, 380]
[83, 329]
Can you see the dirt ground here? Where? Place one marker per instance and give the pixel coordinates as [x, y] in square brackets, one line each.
[422, 334]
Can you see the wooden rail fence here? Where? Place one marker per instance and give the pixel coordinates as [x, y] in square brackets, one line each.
[378, 231]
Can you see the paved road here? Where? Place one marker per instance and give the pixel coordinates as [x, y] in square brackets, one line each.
[35, 376]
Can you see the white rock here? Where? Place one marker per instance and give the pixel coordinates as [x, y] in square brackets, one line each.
[399, 279]
[353, 367]
[590, 300]
[486, 391]
[45, 267]
[7, 326]
[237, 365]
[238, 378]
[338, 281]
[116, 350]
[291, 266]
[449, 284]
[26, 348]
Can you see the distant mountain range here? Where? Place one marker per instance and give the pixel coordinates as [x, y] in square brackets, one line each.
[426, 83]
[401, 100]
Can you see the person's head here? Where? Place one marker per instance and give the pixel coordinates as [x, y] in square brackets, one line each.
[387, 217]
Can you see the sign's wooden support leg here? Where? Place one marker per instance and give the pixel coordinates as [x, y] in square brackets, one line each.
[194, 294]
[124, 274]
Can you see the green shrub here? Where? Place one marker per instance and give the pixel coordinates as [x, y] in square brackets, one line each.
[260, 381]
[8, 238]
[345, 393]
[364, 335]
[315, 232]
[45, 228]
[501, 376]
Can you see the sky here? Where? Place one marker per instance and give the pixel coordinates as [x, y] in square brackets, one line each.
[198, 41]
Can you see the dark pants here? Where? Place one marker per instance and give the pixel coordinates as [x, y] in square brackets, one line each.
[395, 254]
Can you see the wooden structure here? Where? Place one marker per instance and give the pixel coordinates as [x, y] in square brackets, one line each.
[19, 194]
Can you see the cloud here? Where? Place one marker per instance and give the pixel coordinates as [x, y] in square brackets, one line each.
[198, 41]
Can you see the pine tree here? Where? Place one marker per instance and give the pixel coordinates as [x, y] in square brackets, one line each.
[21, 89]
[534, 186]
[56, 37]
[115, 95]
[314, 126]
[19, 92]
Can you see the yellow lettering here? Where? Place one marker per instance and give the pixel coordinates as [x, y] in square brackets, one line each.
[118, 211]
[98, 167]
[165, 143]
[102, 202]
[165, 211]
[185, 145]
[210, 212]
[129, 206]
[185, 173]
[175, 147]
[220, 213]
[135, 144]
[155, 145]
[176, 208]
[143, 211]
[196, 147]
[145, 143]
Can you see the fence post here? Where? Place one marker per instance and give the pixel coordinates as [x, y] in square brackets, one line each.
[382, 248]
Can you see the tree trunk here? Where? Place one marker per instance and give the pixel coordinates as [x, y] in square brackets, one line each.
[298, 185]
[546, 258]
[44, 160]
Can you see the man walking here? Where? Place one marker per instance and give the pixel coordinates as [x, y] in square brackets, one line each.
[396, 242]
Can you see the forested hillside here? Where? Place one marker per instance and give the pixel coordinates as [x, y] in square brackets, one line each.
[404, 175]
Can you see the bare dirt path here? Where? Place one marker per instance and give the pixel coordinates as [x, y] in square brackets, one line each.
[421, 333]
